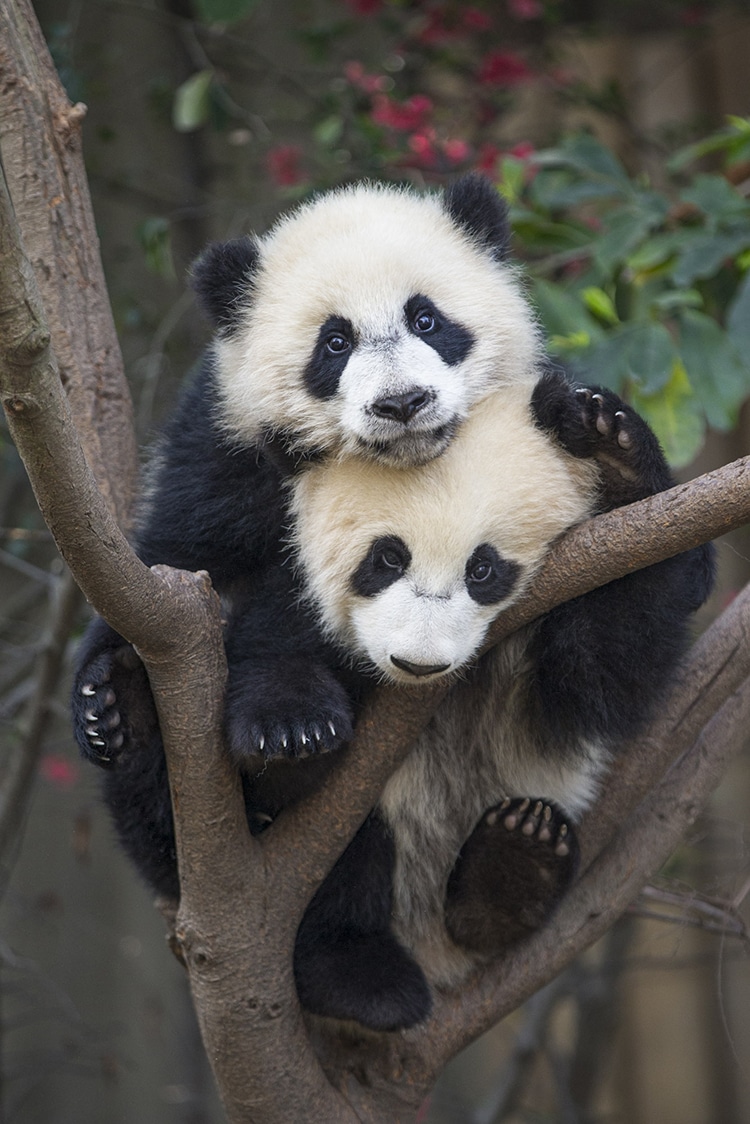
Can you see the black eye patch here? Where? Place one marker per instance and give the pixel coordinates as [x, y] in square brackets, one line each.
[334, 345]
[488, 577]
[450, 340]
[386, 561]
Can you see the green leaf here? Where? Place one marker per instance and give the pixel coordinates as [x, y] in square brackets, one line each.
[715, 196]
[584, 153]
[624, 230]
[192, 102]
[223, 11]
[638, 353]
[720, 377]
[600, 304]
[562, 313]
[155, 237]
[328, 131]
[705, 254]
[675, 416]
[738, 317]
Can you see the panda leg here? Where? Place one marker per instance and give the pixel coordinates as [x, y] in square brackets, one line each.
[510, 875]
[347, 963]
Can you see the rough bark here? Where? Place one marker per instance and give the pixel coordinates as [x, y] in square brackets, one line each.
[40, 141]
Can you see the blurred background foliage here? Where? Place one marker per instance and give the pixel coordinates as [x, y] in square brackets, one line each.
[619, 133]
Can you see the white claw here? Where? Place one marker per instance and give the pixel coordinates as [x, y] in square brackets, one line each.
[91, 717]
[88, 690]
[332, 728]
[92, 732]
[304, 739]
[97, 742]
[284, 742]
[261, 743]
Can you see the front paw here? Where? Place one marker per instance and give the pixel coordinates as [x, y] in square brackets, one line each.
[595, 423]
[511, 874]
[98, 722]
[296, 710]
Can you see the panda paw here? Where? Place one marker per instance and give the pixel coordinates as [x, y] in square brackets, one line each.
[289, 712]
[595, 423]
[98, 721]
[511, 874]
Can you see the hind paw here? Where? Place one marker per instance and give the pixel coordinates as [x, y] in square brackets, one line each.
[511, 874]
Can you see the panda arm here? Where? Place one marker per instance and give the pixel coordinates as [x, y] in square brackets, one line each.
[601, 660]
[289, 693]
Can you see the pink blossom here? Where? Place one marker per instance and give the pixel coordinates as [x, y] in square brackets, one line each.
[405, 116]
[423, 146]
[523, 150]
[488, 156]
[525, 9]
[356, 75]
[283, 164]
[456, 150]
[474, 19]
[503, 68]
[364, 7]
[58, 771]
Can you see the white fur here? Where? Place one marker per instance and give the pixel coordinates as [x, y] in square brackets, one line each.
[501, 481]
[360, 253]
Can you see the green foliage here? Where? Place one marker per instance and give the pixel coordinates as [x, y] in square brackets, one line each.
[645, 291]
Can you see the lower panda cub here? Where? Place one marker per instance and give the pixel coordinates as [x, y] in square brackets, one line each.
[405, 571]
[398, 573]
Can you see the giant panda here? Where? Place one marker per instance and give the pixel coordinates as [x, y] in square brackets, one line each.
[405, 570]
[367, 329]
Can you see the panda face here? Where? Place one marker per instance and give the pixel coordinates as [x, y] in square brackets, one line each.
[368, 322]
[407, 569]
[410, 622]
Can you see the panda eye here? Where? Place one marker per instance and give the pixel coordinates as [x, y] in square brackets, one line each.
[424, 321]
[480, 571]
[390, 559]
[337, 344]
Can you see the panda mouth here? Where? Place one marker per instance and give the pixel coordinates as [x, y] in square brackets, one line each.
[412, 447]
[420, 670]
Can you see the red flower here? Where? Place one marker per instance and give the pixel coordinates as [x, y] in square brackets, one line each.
[456, 150]
[283, 164]
[474, 19]
[356, 75]
[364, 7]
[503, 68]
[423, 146]
[60, 772]
[525, 9]
[489, 154]
[523, 150]
[405, 116]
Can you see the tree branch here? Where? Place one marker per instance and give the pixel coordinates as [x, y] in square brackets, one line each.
[40, 142]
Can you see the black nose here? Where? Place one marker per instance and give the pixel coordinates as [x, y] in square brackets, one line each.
[420, 669]
[401, 407]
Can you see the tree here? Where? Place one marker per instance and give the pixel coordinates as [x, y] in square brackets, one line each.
[271, 1063]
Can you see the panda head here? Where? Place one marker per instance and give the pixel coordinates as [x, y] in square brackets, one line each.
[407, 569]
[369, 321]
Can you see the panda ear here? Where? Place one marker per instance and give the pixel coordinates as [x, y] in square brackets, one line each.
[475, 204]
[223, 280]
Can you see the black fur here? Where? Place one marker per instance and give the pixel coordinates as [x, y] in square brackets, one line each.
[452, 341]
[511, 874]
[488, 577]
[475, 204]
[223, 279]
[329, 358]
